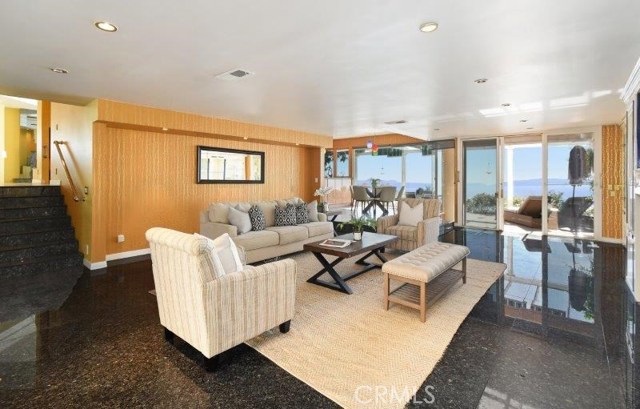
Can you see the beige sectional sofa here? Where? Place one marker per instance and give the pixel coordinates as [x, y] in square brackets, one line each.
[272, 242]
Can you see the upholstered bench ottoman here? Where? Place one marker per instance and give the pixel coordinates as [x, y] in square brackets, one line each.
[430, 264]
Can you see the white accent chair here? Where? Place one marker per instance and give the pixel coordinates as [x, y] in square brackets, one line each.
[215, 314]
[425, 231]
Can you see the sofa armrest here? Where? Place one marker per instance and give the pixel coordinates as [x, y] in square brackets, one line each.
[213, 230]
[244, 304]
[385, 222]
[322, 217]
[428, 231]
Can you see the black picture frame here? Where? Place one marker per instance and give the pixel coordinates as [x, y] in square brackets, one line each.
[202, 148]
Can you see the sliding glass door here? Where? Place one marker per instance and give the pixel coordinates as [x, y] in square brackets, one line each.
[480, 187]
[570, 188]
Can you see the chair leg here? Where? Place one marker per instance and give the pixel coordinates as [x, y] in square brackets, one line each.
[386, 291]
[285, 326]
[168, 335]
[464, 270]
[211, 364]
[423, 302]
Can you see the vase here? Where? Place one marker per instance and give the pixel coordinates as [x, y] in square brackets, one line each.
[357, 235]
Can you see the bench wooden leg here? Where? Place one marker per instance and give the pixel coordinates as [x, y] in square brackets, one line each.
[464, 270]
[423, 302]
[386, 291]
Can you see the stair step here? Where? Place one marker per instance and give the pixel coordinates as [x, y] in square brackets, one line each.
[33, 212]
[14, 226]
[32, 254]
[39, 201]
[27, 191]
[36, 238]
[56, 263]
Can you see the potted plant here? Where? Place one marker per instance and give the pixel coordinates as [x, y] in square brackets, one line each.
[358, 225]
[375, 182]
[322, 192]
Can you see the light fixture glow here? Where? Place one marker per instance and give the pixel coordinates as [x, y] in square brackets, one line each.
[58, 70]
[480, 80]
[165, 129]
[429, 27]
[106, 26]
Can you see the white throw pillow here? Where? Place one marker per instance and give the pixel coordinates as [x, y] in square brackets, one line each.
[240, 219]
[219, 213]
[313, 211]
[210, 262]
[410, 216]
[228, 253]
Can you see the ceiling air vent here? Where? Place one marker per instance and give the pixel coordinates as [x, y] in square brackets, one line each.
[234, 74]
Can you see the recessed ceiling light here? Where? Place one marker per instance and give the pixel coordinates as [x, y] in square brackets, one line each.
[59, 70]
[523, 120]
[531, 127]
[480, 80]
[429, 27]
[398, 122]
[106, 26]
[506, 104]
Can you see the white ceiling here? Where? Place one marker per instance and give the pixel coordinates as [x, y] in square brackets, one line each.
[334, 67]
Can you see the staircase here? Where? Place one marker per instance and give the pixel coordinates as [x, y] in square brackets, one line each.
[36, 235]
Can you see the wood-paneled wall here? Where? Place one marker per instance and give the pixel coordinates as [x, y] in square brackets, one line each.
[140, 116]
[612, 181]
[145, 179]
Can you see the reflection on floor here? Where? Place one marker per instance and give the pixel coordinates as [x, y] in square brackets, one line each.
[552, 333]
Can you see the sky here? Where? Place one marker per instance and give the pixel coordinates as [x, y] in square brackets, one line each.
[481, 164]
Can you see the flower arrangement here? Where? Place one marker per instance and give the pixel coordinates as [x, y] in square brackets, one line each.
[321, 192]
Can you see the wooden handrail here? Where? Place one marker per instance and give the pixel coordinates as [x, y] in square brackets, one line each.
[74, 190]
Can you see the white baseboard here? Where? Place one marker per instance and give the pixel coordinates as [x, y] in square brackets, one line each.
[127, 254]
[94, 266]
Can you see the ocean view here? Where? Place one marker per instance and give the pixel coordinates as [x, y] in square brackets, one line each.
[521, 188]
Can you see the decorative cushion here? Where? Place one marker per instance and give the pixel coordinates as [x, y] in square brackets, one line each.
[257, 218]
[293, 201]
[410, 216]
[243, 206]
[302, 213]
[219, 213]
[286, 216]
[210, 262]
[313, 211]
[240, 219]
[269, 211]
[226, 252]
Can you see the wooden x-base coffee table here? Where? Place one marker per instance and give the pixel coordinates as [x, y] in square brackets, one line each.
[371, 244]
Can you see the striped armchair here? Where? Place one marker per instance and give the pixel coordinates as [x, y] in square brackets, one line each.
[215, 314]
[412, 237]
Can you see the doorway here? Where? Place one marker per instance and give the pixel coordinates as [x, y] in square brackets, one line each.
[480, 205]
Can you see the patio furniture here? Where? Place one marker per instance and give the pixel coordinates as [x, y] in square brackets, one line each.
[425, 230]
[572, 214]
[208, 306]
[529, 213]
[431, 264]
[371, 244]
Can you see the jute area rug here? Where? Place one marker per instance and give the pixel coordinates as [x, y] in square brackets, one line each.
[351, 350]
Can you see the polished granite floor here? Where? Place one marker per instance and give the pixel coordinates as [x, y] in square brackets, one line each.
[552, 333]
